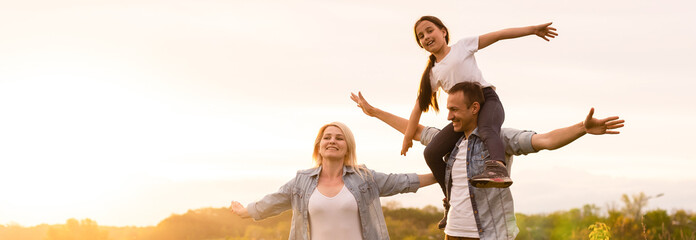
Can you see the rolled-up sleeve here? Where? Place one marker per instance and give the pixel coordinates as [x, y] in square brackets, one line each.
[272, 204]
[518, 142]
[394, 183]
[428, 134]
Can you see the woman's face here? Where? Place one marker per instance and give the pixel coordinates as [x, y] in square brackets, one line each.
[431, 37]
[333, 144]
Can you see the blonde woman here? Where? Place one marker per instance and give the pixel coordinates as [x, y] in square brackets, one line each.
[337, 199]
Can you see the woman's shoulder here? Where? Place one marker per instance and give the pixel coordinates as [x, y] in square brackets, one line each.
[363, 169]
[308, 171]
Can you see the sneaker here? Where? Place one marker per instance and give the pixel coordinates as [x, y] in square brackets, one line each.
[494, 175]
[443, 221]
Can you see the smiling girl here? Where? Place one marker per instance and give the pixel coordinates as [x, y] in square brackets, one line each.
[449, 65]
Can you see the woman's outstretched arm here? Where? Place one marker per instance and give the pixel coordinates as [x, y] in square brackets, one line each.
[238, 209]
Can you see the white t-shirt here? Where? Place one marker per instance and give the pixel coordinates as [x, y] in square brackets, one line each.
[460, 219]
[334, 218]
[458, 66]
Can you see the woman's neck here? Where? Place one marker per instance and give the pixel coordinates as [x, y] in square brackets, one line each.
[332, 168]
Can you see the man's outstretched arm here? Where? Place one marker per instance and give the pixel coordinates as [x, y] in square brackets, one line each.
[562, 136]
[392, 120]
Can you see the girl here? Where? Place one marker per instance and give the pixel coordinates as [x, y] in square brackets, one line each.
[447, 66]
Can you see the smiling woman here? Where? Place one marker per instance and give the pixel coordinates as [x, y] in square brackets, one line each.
[338, 198]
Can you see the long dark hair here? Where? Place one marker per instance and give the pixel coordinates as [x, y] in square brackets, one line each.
[426, 96]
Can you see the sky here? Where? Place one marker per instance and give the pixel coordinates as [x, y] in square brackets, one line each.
[126, 112]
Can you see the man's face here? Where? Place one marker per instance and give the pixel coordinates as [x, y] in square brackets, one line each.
[463, 118]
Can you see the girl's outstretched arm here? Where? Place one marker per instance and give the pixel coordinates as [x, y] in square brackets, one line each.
[542, 30]
[411, 128]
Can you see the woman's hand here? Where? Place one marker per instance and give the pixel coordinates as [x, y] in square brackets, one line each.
[238, 209]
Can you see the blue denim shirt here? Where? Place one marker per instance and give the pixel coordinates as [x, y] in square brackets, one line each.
[493, 207]
[366, 190]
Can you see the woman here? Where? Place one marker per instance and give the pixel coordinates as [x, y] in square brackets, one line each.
[337, 199]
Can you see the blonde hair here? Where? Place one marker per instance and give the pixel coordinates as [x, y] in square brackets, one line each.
[350, 159]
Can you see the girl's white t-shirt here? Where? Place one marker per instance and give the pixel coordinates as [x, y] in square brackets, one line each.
[334, 218]
[458, 66]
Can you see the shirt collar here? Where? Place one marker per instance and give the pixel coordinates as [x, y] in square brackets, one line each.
[346, 169]
[475, 133]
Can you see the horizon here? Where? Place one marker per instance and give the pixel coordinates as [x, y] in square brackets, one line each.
[391, 204]
[125, 112]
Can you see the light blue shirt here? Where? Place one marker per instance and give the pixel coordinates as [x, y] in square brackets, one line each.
[493, 207]
[366, 190]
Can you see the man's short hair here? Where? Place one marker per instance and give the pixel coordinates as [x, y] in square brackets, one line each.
[471, 90]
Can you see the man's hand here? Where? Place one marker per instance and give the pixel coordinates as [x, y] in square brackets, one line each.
[362, 104]
[544, 31]
[602, 126]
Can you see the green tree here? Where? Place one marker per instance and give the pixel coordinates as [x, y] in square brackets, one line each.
[657, 225]
[599, 231]
[633, 207]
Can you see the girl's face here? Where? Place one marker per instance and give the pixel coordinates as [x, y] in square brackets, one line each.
[333, 144]
[431, 37]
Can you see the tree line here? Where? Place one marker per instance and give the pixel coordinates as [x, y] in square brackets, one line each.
[629, 221]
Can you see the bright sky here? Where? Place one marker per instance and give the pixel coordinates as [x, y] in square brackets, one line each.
[128, 111]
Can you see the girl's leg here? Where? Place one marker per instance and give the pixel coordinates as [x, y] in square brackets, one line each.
[490, 120]
[441, 144]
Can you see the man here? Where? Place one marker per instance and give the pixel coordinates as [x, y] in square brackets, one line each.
[484, 213]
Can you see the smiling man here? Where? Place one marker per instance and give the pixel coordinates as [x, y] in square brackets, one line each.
[484, 213]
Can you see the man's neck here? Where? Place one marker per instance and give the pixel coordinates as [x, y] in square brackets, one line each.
[470, 129]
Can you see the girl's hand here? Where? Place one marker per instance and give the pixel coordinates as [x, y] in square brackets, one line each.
[238, 209]
[544, 31]
[408, 143]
